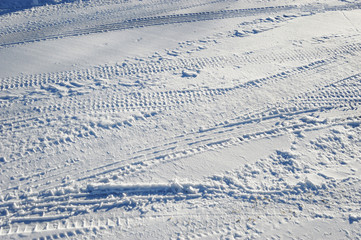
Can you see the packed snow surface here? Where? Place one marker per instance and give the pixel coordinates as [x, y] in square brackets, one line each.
[164, 119]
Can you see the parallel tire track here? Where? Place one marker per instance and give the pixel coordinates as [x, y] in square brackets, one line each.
[148, 103]
[223, 136]
[301, 104]
[64, 209]
[77, 78]
[113, 102]
[38, 34]
[326, 98]
[153, 21]
[119, 11]
[104, 197]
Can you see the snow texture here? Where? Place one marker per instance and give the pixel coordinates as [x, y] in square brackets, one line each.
[163, 119]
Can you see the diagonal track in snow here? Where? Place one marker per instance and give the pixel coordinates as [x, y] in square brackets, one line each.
[283, 109]
[146, 22]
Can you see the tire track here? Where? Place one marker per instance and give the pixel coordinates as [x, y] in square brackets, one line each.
[211, 137]
[79, 78]
[222, 139]
[143, 101]
[153, 21]
[233, 137]
[313, 68]
[26, 214]
[102, 14]
[38, 34]
[138, 101]
[63, 210]
[141, 197]
[160, 101]
[248, 118]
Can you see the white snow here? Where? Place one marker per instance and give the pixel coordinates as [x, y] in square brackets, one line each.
[160, 119]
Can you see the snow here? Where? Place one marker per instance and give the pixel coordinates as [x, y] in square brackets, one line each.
[160, 119]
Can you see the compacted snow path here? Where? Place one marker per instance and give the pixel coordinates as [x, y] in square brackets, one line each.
[162, 119]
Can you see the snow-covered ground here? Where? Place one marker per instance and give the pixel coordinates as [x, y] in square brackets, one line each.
[163, 119]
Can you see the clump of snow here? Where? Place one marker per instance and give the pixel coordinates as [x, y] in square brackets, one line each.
[189, 74]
